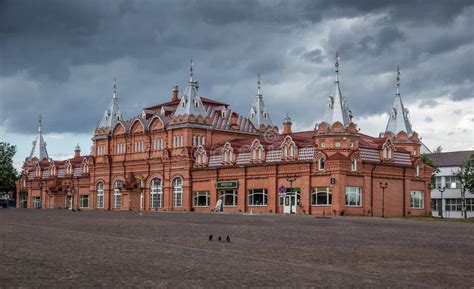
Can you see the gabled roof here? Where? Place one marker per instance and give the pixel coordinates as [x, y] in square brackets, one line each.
[450, 159]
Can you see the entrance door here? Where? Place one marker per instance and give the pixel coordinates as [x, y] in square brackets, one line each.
[289, 204]
[68, 202]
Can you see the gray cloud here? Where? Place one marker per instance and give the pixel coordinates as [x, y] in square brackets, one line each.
[59, 57]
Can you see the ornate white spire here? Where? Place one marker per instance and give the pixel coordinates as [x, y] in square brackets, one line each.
[259, 114]
[190, 103]
[398, 119]
[336, 109]
[39, 145]
[112, 114]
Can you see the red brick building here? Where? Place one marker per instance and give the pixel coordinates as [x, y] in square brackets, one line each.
[196, 154]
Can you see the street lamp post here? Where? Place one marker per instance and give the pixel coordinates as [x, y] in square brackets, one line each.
[441, 190]
[291, 179]
[383, 186]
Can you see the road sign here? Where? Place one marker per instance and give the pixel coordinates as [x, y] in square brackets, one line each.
[282, 190]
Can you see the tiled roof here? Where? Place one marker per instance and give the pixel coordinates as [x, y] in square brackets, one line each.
[449, 159]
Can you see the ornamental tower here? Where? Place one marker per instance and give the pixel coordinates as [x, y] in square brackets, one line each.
[190, 103]
[398, 119]
[336, 109]
[112, 114]
[39, 145]
[259, 114]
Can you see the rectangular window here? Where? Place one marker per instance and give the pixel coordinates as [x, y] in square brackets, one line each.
[201, 199]
[258, 197]
[158, 144]
[416, 200]
[321, 196]
[453, 182]
[37, 202]
[100, 201]
[84, 201]
[228, 197]
[353, 197]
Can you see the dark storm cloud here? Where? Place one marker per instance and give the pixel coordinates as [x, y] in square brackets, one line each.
[59, 57]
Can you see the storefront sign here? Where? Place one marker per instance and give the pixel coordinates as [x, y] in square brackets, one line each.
[227, 185]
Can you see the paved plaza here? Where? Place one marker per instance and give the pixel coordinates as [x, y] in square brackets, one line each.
[60, 248]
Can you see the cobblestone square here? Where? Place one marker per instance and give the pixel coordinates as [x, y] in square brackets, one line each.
[60, 248]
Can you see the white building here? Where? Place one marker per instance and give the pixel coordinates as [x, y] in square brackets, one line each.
[449, 164]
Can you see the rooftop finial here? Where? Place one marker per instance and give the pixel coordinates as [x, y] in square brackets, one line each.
[258, 85]
[337, 66]
[39, 123]
[115, 88]
[398, 80]
[191, 71]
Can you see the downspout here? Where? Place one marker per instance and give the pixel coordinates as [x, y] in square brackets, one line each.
[372, 192]
[404, 191]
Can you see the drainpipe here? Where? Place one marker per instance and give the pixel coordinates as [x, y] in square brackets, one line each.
[404, 191]
[372, 191]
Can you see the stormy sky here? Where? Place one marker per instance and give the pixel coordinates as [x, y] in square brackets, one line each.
[59, 58]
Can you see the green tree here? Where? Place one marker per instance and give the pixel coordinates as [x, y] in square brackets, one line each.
[8, 173]
[466, 176]
[427, 161]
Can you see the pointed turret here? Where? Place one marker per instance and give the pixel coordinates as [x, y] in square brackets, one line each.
[398, 119]
[336, 109]
[190, 103]
[112, 114]
[39, 145]
[259, 114]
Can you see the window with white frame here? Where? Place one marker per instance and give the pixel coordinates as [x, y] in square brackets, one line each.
[416, 199]
[417, 170]
[100, 150]
[353, 164]
[117, 194]
[177, 192]
[37, 202]
[100, 195]
[156, 193]
[452, 182]
[157, 144]
[84, 201]
[353, 196]
[258, 197]
[321, 196]
[228, 197]
[198, 140]
[177, 141]
[121, 148]
[139, 147]
[201, 199]
[321, 164]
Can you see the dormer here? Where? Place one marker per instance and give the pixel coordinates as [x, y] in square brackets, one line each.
[68, 169]
[53, 171]
[85, 166]
[228, 156]
[200, 157]
[256, 152]
[386, 153]
[289, 151]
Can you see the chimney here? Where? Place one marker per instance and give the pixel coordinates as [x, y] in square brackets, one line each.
[287, 125]
[77, 151]
[175, 93]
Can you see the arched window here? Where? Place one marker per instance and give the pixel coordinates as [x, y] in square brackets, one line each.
[156, 194]
[100, 195]
[417, 170]
[117, 194]
[353, 164]
[321, 196]
[321, 164]
[177, 192]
